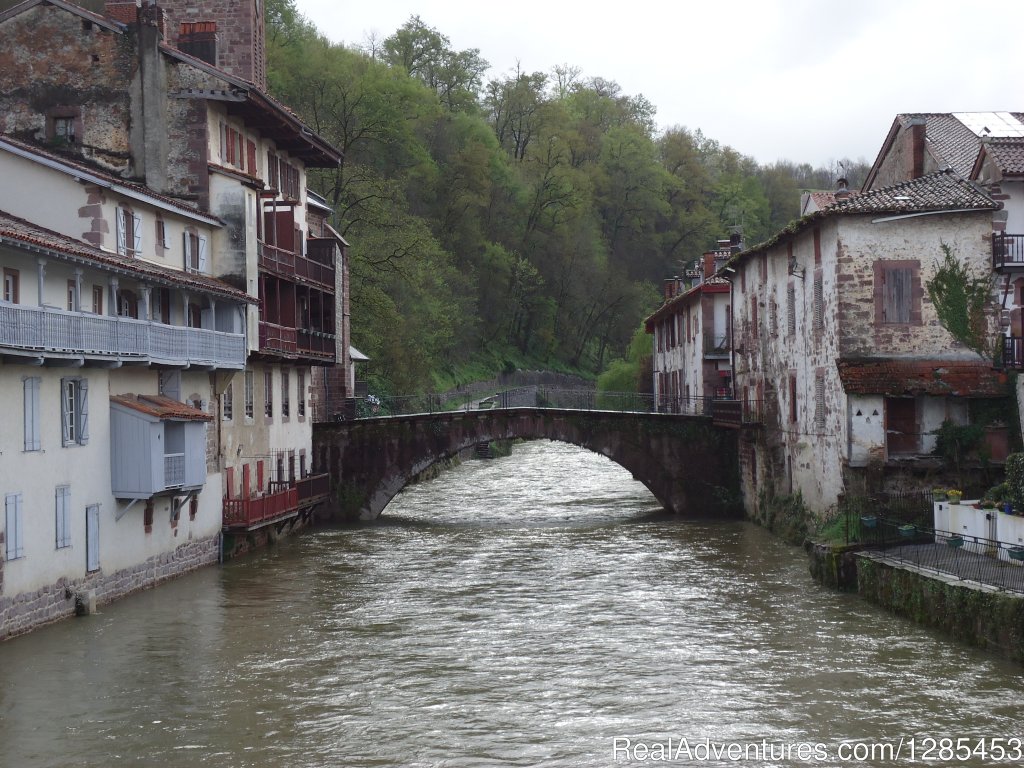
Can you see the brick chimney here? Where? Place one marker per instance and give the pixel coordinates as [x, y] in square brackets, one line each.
[125, 11]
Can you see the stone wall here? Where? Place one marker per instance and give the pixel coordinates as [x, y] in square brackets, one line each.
[27, 611]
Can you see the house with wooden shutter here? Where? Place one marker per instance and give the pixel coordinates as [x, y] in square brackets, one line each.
[163, 286]
[838, 348]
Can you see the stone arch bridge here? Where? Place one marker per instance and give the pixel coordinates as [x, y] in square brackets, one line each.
[689, 465]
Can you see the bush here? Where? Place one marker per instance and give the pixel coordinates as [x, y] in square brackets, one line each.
[1015, 479]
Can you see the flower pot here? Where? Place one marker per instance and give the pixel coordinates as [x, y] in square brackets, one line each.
[868, 521]
[938, 496]
[1008, 508]
[1016, 553]
[954, 499]
[955, 542]
[906, 531]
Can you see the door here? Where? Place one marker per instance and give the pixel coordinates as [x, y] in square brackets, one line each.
[92, 537]
[901, 425]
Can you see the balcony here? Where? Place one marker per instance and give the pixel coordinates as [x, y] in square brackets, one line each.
[174, 470]
[285, 500]
[46, 330]
[1013, 353]
[280, 340]
[293, 266]
[1007, 251]
[716, 345]
[735, 414]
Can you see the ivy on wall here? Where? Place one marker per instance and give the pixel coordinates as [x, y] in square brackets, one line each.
[963, 301]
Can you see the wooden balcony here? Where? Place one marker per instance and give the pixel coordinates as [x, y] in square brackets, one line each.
[294, 266]
[1007, 252]
[278, 339]
[316, 344]
[46, 331]
[285, 500]
[294, 343]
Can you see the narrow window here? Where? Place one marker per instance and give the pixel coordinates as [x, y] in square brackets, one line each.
[97, 299]
[300, 395]
[14, 530]
[792, 398]
[791, 310]
[127, 304]
[63, 516]
[11, 282]
[32, 412]
[195, 315]
[249, 409]
[161, 236]
[819, 401]
[285, 396]
[74, 411]
[228, 403]
[268, 394]
[819, 304]
[129, 232]
[72, 293]
[195, 252]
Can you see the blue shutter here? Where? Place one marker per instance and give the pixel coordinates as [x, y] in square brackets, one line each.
[83, 411]
[92, 537]
[63, 515]
[15, 539]
[122, 245]
[32, 440]
[202, 254]
[66, 414]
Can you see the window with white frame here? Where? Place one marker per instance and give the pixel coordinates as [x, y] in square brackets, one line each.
[31, 385]
[74, 411]
[227, 410]
[286, 401]
[129, 232]
[14, 527]
[63, 516]
[268, 394]
[300, 398]
[195, 252]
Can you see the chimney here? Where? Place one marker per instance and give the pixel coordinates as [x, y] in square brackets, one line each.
[199, 39]
[670, 287]
[709, 264]
[842, 191]
[735, 242]
[917, 135]
[125, 11]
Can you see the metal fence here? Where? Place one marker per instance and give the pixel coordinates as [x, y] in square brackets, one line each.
[969, 558]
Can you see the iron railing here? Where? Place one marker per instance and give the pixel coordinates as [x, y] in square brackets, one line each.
[1013, 353]
[46, 329]
[965, 557]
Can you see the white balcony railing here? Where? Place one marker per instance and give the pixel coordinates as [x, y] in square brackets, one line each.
[45, 329]
[174, 470]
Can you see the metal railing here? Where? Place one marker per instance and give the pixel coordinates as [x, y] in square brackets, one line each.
[46, 329]
[1007, 250]
[1013, 352]
[968, 558]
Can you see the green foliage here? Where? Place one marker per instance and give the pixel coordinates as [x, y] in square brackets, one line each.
[963, 301]
[955, 441]
[1015, 480]
[535, 214]
[629, 374]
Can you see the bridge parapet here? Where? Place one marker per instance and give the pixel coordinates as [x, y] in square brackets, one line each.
[688, 464]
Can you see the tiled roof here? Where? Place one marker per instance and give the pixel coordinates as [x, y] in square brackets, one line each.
[73, 165]
[940, 191]
[951, 141]
[909, 378]
[24, 234]
[1007, 154]
[161, 407]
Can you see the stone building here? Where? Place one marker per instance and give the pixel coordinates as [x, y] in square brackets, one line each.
[165, 299]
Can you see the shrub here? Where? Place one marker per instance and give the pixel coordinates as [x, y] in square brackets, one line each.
[1015, 479]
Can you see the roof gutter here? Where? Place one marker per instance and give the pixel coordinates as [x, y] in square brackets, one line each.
[930, 213]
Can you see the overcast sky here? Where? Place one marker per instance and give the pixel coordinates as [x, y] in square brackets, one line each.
[775, 79]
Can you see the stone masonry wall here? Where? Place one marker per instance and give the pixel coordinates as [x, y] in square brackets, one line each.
[22, 613]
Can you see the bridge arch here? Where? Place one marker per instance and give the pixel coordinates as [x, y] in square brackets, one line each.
[689, 465]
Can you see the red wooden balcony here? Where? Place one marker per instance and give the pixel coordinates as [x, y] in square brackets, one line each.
[277, 260]
[284, 500]
[318, 271]
[279, 339]
[316, 344]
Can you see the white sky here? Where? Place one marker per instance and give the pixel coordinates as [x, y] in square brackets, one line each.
[808, 81]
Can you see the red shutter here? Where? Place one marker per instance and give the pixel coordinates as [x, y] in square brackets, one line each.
[259, 475]
[246, 479]
[229, 481]
[285, 221]
[250, 147]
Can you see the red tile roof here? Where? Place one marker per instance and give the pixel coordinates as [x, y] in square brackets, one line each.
[1007, 154]
[896, 378]
[19, 233]
[161, 407]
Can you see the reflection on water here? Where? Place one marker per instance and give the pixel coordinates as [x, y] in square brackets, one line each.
[522, 611]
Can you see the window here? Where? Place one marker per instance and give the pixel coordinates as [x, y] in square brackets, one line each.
[64, 130]
[14, 530]
[232, 146]
[31, 386]
[285, 395]
[792, 398]
[195, 315]
[249, 394]
[161, 309]
[227, 409]
[161, 236]
[97, 299]
[268, 394]
[791, 310]
[127, 304]
[773, 315]
[897, 292]
[11, 282]
[300, 384]
[819, 303]
[74, 411]
[129, 232]
[195, 252]
[272, 170]
[819, 401]
[63, 516]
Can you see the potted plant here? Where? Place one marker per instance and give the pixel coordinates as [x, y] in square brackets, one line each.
[954, 495]
[955, 541]
[938, 494]
[1016, 553]
[868, 521]
[906, 531]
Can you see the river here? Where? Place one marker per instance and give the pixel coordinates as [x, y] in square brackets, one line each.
[533, 610]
